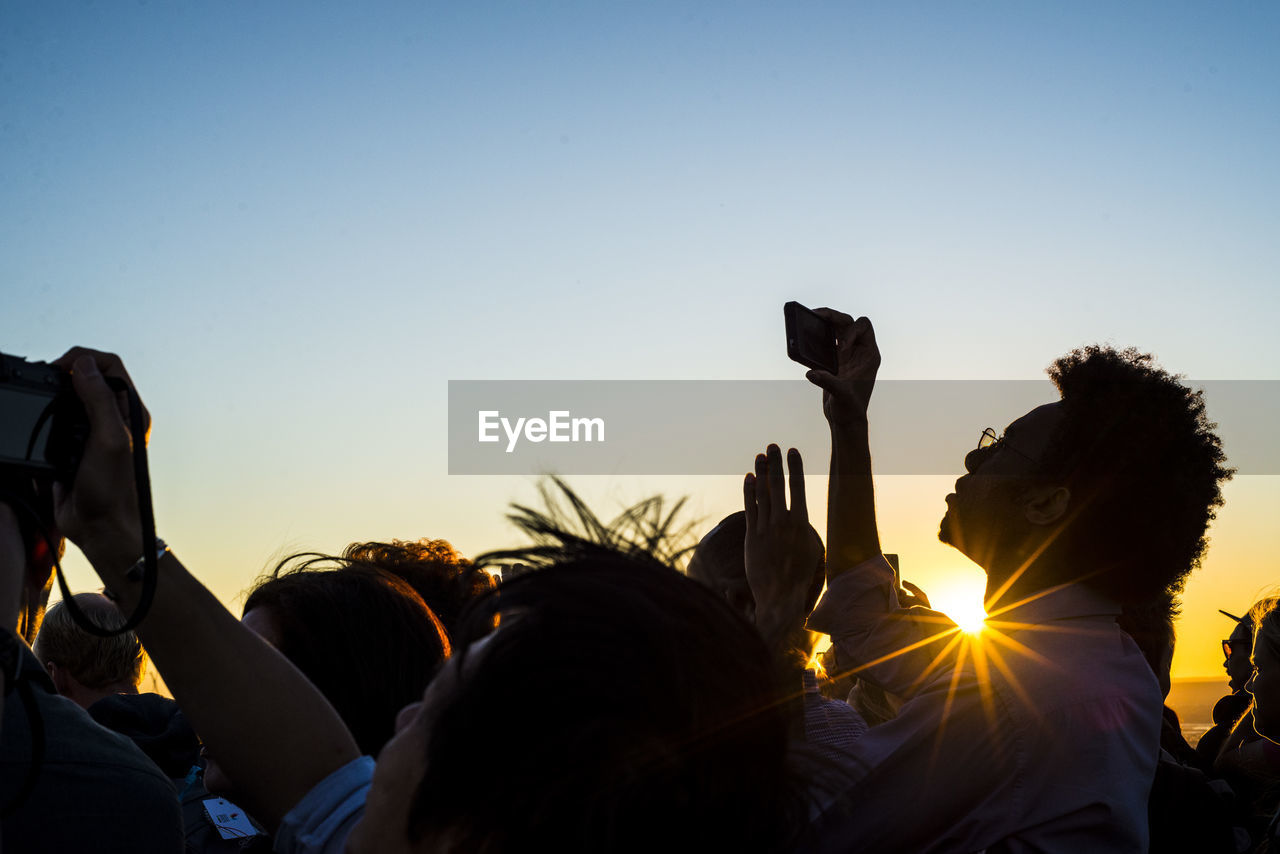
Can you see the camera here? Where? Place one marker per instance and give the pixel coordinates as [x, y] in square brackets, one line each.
[43, 426]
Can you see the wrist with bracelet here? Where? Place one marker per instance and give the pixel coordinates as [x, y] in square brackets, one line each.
[135, 571]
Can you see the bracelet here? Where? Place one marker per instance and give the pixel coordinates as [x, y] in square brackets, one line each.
[134, 573]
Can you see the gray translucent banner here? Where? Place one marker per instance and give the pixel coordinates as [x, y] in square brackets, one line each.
[674, 427]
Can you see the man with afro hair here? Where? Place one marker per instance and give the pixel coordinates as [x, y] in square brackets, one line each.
[1042, 732]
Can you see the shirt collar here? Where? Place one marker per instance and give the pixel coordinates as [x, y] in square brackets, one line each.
[1064, 602]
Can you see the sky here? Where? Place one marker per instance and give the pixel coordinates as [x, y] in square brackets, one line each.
[299, 222]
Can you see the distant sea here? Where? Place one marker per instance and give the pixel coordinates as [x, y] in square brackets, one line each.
[1193, 700]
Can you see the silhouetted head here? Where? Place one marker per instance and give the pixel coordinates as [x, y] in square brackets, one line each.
[1114, 485]
[719, 562]
[85, 667]
[1237, 657]
[362, 635]
[619, 706]
[445, 580]
[1264, 684]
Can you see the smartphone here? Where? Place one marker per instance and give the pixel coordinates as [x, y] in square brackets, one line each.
[810, 339]
[897, 570]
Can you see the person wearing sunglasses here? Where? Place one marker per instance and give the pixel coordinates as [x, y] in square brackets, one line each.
[1264, 686]
[1043, 733]
[1232, 707]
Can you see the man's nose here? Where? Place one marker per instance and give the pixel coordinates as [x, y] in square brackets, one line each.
[974, 459]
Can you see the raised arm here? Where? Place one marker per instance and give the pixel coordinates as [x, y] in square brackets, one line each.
[852, 536]
[862, 610]
[273, 732]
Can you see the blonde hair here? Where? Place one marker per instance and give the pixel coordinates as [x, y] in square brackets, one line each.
[94, 662]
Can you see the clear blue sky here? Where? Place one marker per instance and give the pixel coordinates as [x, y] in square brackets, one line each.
[299, 221]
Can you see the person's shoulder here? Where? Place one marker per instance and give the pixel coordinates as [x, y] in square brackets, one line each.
[52, 732]
[74, 785]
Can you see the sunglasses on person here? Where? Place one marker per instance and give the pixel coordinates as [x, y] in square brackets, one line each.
[991, 439]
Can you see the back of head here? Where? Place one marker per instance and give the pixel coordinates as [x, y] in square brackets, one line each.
[97, 663]
[444, 579]
[1144, 468]
[619, 706]
[1265, 618]
[362, 635]
[719, 561]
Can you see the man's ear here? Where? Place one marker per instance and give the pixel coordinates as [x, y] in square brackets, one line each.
[1047, 505]
[59, 676]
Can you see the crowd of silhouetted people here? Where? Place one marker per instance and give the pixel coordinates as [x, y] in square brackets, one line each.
[642, 683]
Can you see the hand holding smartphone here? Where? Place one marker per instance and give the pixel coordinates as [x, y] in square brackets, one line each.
[810, 339]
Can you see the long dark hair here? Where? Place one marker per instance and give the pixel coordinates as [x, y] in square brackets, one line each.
[619, 706]
[361, 634]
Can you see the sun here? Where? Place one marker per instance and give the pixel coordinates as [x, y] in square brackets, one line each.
[963, 604]
[969, 617]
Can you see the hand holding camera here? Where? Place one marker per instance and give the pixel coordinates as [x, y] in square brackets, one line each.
[74, 429]
[98, 510]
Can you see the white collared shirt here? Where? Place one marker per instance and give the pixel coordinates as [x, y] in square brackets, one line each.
[1042, 737]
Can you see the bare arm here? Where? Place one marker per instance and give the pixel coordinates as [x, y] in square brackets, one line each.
[852, 536]
[271, 729]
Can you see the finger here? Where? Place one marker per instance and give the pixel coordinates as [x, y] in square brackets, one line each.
[109, 365]
[106, 424]
[749, 501]
[777, 482]
[864, 332]
[838, 319]
[864, 339]
[796, 466]
[762, 490]
[918, 593]
[824, 380]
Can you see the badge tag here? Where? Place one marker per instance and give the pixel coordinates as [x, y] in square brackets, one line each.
[229, 819]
